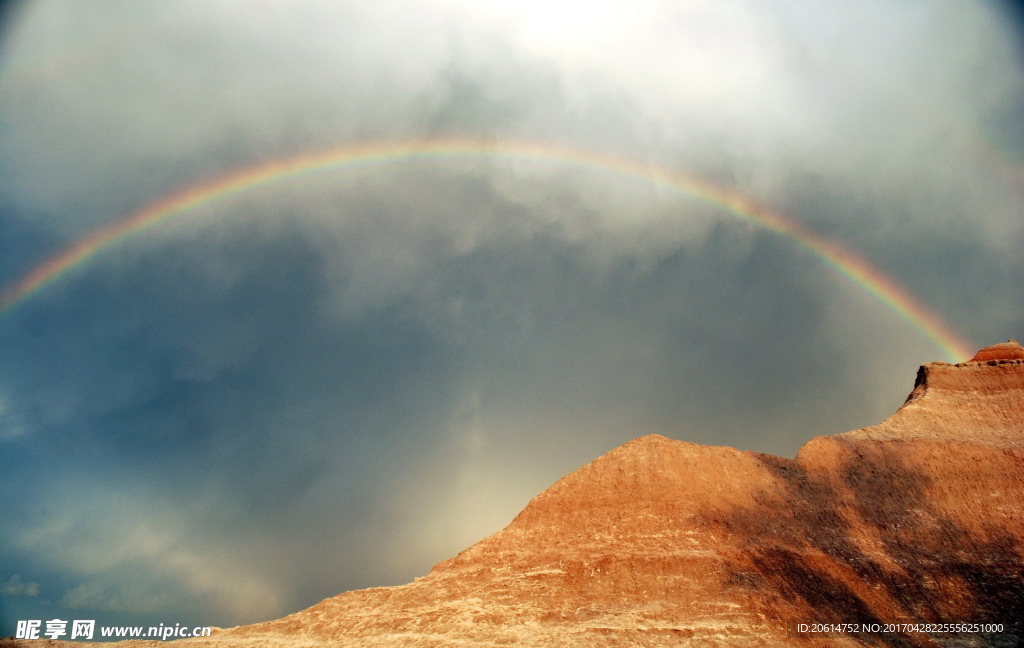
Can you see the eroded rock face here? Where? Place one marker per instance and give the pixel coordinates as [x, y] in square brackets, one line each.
[662, 542]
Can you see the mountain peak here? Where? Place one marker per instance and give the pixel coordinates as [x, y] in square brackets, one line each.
[1009, 350]
[660, 542]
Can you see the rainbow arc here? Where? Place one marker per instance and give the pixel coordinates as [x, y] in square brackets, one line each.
[846, 263]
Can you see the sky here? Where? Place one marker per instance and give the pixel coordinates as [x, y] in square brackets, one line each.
[301, 298]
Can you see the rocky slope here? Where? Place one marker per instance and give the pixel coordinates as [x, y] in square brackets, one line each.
[917, 520]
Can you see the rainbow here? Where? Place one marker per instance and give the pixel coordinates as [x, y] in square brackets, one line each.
[847, 264]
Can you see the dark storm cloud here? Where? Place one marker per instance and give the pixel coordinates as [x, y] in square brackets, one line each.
[335, 381]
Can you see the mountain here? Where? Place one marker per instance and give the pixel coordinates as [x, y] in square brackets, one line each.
[917, 520]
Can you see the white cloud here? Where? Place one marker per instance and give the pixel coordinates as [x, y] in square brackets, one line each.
[11, 426]
[14, 586]
[138, 553]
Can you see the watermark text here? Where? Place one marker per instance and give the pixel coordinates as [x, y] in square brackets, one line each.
[87, 629]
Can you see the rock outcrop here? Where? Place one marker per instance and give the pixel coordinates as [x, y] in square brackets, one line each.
[919, 519]
[1009, 350]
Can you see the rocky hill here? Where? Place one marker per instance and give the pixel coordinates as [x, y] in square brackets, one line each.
[665, 543]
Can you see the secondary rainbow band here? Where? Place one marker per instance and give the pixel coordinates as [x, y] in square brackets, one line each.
[846, 263]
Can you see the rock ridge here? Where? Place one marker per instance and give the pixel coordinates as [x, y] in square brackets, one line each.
[979, 401]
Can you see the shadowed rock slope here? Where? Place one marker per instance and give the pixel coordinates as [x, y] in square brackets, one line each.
[666, 543]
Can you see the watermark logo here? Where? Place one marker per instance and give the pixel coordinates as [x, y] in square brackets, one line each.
[86, 629]
[82, 629]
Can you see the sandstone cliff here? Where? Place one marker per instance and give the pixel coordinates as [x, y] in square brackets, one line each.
[662, 542]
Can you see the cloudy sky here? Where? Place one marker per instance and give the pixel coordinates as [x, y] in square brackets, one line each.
[334, 380]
